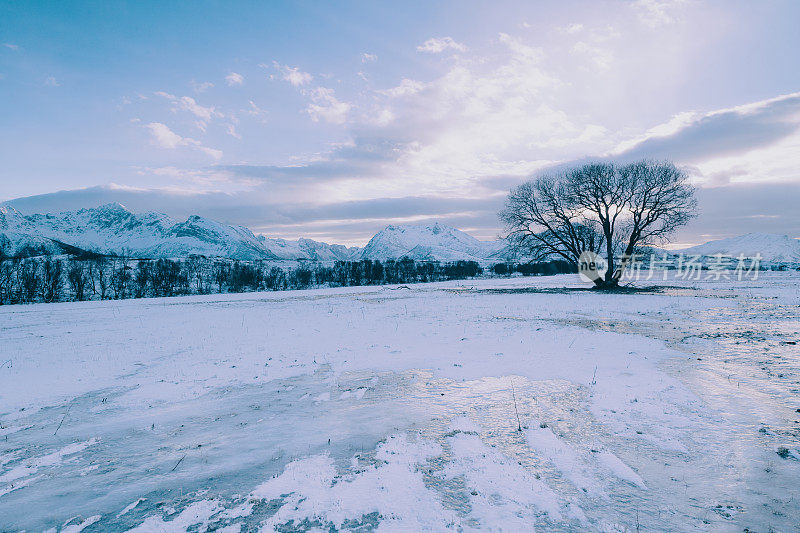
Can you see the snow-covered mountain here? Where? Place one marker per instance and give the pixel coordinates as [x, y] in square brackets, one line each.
[434, 242]
[772, 248]
[306, 249]
[113, 229]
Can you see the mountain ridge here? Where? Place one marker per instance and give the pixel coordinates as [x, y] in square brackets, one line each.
[432, 242]
[772, 247]
[112, 229]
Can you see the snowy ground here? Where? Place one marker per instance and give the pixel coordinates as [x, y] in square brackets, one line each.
[372, 408]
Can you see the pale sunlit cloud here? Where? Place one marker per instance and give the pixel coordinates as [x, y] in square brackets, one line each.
[231, 130]
[655, 13]
[234, 78]
[437, 45]
[325, 106]
[293, 75]
[757, 142]
[164, 137]
[200, 87]
[187, 103]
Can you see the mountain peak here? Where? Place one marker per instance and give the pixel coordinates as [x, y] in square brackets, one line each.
[428, 242]
[111, 207]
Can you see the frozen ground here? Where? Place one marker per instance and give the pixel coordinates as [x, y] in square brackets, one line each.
[372, 408]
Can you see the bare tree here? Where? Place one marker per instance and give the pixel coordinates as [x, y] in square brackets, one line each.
[101, 278]
[7, 280]
[120, 278]
[28, 280]
[143, 278]
[52, 274]
[78, 279]
[91, 278]
[603, 208]
[196, 274]
[221, 275]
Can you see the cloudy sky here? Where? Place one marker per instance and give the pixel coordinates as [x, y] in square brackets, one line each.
[332, 120]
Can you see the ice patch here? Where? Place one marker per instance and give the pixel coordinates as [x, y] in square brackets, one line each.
[564, 457]
[11, 487]
[464, 425]
[392, 489]
[357, 393]
[312, 474]
[620, 469]
[197, 514]
[504, 495]
[77, 528]
[32, 465]
[131, 507]
[324, 397]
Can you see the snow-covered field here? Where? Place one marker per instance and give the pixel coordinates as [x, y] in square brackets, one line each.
[401, 408]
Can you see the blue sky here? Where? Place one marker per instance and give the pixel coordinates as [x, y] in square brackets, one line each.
[331, 120]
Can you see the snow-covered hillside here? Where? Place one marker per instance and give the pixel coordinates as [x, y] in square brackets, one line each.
[113, 229]
[434, 242]
[309, 249]
[772, 248]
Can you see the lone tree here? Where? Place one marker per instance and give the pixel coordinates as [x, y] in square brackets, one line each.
[604, 208]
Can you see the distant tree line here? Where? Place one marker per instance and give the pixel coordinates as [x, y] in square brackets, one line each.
[540, 268]
[95, 277]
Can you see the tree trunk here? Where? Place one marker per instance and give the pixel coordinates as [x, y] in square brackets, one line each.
[601, 284]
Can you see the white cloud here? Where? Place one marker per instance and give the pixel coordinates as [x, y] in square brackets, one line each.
[496, 113]
[293, 75]
[572, 29]
[600, 56]
[11, 46]
[164, 137]
[437, 45]
[254, 111]
[655, 13]
[50, 81]
[231, 130]
[407, 87]
[234, 78]
[672, 126]
[200, 87]
[368, 58]
[213, 152]
[187, 103]
[751, 143]
[520, 50]
[325, 106]
[597, 45]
